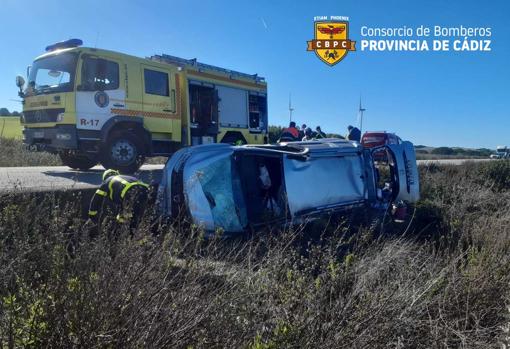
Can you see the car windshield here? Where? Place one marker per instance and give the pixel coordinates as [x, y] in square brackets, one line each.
[221, 186]
[52, 74]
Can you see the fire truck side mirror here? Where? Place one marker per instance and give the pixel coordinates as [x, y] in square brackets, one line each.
[20, 81]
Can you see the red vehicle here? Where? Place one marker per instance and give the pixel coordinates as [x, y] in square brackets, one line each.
[373, 139]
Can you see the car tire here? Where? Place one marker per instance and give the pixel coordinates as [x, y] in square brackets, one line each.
[124, 152]
[77, 161]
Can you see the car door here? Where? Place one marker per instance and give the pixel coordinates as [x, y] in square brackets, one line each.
[407, 172]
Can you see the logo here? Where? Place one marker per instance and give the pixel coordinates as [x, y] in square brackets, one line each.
[38, 116]
[331, 43]
[101, 99]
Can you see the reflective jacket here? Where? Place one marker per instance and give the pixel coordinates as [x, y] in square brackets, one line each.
[114, 188]
[294, 132]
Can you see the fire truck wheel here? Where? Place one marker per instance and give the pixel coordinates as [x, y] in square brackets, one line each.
[77, 161]
[124, 152]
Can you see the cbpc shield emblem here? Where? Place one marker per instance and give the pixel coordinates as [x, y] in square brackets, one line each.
[331, 43]
[101, 99]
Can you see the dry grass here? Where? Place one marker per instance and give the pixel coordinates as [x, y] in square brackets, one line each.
[422, 156]
[13, 153]
[441, 281]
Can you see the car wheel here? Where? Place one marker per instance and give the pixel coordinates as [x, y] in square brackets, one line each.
[123, 151]
[77, 161]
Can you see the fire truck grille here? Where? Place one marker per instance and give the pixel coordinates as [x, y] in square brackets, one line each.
[43, 115]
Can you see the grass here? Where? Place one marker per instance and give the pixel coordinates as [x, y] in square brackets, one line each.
[428, 156]
[13, 153]
[441, 280]
[10, 127]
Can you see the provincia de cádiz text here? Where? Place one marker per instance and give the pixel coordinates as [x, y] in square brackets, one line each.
[426, 38]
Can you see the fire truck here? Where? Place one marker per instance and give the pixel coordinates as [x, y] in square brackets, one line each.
[93, 106]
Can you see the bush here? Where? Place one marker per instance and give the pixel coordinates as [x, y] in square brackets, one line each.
[443, 151]
[274, 133]
[495, 174]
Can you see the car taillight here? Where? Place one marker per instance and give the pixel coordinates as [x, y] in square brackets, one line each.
[373, 140]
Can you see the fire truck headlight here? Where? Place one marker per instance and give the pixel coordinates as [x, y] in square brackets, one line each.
[60, 117]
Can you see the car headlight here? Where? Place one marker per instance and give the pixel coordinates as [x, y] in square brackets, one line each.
[60, 117]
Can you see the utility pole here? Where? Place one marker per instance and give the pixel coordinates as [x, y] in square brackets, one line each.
[290, 108]
[360, 111]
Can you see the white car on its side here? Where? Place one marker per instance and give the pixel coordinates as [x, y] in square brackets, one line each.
[239, 188]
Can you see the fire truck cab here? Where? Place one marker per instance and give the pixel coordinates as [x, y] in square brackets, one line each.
[97, 106]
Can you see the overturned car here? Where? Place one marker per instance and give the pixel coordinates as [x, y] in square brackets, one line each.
[241, 188]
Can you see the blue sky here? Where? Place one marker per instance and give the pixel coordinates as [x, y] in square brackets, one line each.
[432, 98]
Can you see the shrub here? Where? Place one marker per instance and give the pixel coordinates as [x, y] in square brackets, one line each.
[495, 174]
[443, 151]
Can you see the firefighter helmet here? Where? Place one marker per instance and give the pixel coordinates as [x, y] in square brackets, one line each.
[109, 173]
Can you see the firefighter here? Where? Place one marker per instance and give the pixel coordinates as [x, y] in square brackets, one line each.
[319, 133]
[302, 131]
[128, 194]
[290, 133]
[308, 135]
[354, 133]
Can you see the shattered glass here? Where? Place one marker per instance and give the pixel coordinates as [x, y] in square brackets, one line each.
[222, 188]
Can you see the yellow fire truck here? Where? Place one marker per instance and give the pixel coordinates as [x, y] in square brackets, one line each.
[96, 106]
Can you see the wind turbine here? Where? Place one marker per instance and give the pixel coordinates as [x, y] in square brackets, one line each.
[360, 112]
[290, 108]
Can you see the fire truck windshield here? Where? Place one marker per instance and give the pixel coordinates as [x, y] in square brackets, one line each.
[52, 74]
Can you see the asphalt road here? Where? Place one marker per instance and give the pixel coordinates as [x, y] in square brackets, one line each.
[50, 178]
[37, 179]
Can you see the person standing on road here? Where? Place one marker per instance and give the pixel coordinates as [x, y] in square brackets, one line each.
[354, 133]
[128, 195]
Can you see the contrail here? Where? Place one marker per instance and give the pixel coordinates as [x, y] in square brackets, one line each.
[264, 23]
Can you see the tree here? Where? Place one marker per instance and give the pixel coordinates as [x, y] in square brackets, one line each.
[4, 112]
[15, 113]
[443, 151]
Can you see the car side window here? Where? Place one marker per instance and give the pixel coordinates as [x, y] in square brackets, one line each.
[156, 82]
[99, 74]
